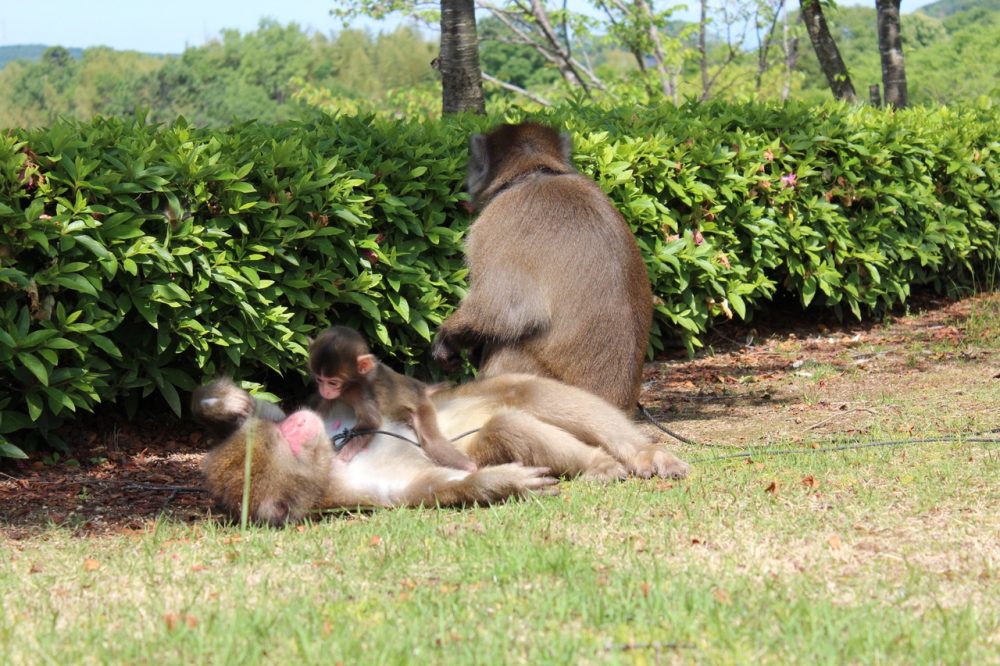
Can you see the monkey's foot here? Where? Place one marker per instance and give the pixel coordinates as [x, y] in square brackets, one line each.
[654, 461]
[223, 402]
[603, 469]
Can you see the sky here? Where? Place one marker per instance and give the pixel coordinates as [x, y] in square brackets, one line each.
[169, 26]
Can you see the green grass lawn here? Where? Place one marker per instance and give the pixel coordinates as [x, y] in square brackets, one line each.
[887, 555]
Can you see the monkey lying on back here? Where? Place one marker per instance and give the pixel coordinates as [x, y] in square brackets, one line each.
[344, 369]
[528, 427]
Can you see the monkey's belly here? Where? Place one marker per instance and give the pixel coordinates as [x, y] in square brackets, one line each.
[384, 469]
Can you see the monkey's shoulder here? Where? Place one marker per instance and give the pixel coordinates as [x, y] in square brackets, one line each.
[397, 394]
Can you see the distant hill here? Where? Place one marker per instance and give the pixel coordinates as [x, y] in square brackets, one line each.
[945, 8]
[29, 52]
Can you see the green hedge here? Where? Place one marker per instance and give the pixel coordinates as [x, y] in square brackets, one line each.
[137, 259]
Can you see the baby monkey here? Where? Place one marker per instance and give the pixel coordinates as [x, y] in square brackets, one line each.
[345, 369]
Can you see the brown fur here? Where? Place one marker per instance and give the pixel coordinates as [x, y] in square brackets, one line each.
[557, 285]
[527, 426]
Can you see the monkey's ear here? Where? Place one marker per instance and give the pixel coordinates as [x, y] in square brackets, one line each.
[566, 145]
[366, 363]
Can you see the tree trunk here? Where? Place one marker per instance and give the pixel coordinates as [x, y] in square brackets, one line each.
[890, 50]
[461, 80]
[703, 50]
[826, 51]
[874, 96]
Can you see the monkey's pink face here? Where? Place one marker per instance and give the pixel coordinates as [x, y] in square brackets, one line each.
[330, 388]
[300, 428]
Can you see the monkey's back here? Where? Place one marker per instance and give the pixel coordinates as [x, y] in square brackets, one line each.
[568, 244]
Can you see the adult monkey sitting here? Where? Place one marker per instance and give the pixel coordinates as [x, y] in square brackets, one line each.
[524, 428]
[557, 285]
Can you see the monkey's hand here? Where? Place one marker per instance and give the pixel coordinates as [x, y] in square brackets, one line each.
[446, 352]
[354, 446]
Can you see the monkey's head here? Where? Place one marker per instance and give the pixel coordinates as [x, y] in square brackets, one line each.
[511, 150]
[338, 359]
[290, 468]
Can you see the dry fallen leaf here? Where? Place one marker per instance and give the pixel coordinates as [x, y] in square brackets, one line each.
[809, 481]
[835, 542]
[644, 588]
[175, 620]
[722, 596]
[35, 568]
[772, 488]
[91, 565]
[375, 541]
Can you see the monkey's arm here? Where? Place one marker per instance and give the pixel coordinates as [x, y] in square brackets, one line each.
[510, 307]
[439, 486]
[368, 417]
[438, 447]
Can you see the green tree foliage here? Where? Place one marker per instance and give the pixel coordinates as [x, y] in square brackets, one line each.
[516, 64]
[951, 54]
[28, 52]
[954, 58]
[236, 77]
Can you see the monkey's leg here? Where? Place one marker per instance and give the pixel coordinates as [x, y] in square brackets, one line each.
[446, 487]
[599, 424]
[506, 360]
[517, 435]
[224, 407]
[510, 308]
[629, 445]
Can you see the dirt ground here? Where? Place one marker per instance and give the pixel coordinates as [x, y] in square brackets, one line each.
[935, 370]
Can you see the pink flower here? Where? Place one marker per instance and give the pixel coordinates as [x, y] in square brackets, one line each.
[789, 180]
[698, 238]
[768, 155]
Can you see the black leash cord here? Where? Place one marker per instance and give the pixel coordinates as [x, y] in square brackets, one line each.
[825, 449]
[678, 437]
[341, 438]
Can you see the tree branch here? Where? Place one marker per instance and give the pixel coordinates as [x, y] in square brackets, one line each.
[538, 99]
